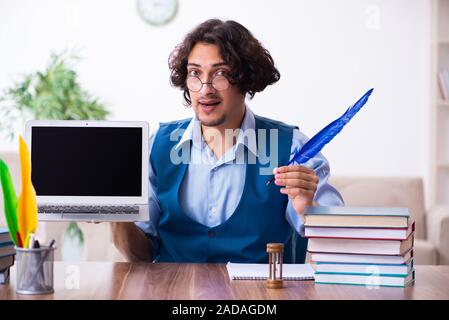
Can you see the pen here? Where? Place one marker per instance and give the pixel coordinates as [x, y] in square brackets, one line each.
[325, 135]
[52, 242]
[41, 262]
[270, 181]
[31, 239]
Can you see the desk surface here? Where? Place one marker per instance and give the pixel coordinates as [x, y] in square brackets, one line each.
[107, 280]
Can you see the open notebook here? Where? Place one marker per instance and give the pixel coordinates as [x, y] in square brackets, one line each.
[255, 271]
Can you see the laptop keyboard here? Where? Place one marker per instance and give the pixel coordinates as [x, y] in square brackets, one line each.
[88, 209]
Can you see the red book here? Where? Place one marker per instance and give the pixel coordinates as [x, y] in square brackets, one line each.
[360, 233]
[361, 246]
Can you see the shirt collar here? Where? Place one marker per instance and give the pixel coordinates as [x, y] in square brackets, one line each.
[193, 133]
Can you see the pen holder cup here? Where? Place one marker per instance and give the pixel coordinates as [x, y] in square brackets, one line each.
[34, 270]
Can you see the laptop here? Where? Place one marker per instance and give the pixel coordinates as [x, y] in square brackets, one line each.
[89, 170]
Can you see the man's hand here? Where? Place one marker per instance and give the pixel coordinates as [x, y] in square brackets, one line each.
[300, 184]
[131, 241]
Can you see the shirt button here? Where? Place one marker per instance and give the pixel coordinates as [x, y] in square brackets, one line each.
[213, 209]
[211, 234]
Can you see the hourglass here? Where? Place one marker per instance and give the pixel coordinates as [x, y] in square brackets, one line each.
[275, 253]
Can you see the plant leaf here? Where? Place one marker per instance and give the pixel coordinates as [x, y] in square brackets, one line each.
[53, 93]
[10, 201]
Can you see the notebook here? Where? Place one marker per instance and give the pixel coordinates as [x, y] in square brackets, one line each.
[259, 271]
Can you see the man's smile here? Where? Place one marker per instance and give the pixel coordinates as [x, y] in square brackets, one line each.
[208, 105]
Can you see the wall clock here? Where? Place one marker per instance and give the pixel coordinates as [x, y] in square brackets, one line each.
[157, 12]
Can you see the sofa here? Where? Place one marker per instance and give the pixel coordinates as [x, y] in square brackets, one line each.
[431, 226]
[431, 232]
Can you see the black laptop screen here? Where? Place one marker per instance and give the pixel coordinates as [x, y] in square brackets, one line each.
[87, 161]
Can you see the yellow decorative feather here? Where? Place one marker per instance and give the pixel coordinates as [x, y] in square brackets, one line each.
[27, 201]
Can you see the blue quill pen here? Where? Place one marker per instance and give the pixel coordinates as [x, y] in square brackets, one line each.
[318, 141]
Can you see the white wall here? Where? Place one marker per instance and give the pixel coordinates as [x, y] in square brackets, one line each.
[329, 53]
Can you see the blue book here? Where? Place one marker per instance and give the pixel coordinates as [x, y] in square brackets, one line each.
[4, 235]
[357, 217]
[366, 280]
[364, 269]
[361, 258]
[7, 248]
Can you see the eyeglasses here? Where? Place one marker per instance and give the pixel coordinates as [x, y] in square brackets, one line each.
[219, 83]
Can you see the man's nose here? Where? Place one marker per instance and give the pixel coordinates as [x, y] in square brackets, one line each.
[207, 88]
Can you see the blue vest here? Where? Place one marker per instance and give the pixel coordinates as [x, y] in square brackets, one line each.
[258, 219]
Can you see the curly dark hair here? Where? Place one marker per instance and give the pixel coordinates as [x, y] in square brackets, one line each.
[252, 67]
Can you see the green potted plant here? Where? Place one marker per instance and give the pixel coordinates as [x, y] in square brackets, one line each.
[51, 94]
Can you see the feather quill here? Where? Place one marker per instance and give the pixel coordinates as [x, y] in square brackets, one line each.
[10, 201]
[325, 135]
[27, 202]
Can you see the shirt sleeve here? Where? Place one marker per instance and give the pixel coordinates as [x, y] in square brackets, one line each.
[325, 195]
[150, 227]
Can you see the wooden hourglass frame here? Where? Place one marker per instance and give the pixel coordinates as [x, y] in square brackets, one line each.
[275, 254]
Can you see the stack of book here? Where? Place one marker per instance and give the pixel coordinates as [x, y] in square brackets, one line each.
[7, 253]
[361, 245]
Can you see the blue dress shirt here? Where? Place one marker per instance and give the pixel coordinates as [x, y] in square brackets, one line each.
[212, 187]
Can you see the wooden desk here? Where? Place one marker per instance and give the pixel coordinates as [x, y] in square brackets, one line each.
[107, 280]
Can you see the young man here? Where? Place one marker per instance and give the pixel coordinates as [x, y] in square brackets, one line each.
[212, 204]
